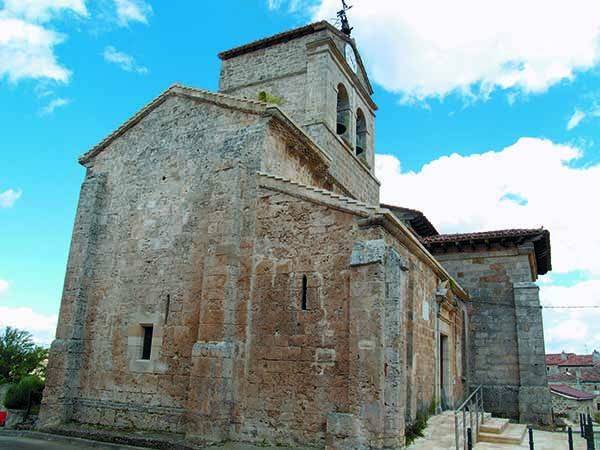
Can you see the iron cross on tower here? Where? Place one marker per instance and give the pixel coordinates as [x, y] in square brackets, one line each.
[346, 28]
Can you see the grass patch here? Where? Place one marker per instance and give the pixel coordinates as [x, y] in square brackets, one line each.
[416, 428]
[269, 98]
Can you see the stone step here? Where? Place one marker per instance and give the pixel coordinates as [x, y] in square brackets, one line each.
[494, 425]
[512, 434]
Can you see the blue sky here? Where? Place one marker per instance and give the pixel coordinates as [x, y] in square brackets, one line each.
[485, 121]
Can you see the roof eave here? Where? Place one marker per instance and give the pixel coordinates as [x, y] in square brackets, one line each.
[281, 37]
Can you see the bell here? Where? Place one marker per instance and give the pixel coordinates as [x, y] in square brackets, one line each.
[359, 150]
[341, 128]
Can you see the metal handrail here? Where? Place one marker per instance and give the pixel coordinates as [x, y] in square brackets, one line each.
[474, 402]
[462, 405]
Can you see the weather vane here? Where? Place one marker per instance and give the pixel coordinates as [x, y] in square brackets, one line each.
[346, 28]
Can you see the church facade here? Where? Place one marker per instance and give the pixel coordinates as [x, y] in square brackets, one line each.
[233, 276]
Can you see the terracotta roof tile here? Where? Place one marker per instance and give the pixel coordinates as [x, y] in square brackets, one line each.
[590, 375]
[498, 234]
[461, 241]
[571, 392]
[578, 360]
[554, 359]
[562, 376]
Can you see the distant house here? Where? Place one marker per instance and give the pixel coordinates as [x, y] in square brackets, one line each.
[563, 362]
[570, 402]
[580, 372]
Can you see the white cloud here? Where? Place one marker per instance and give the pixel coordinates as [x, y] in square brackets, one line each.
[132, 11]
[123, 60]
[26, 45]
[3, 286]
[293, 5]
[529, 184]
[55, 103]
[572, 329]
[9, 197]
[27, 51]
[431, 48]
[585, 293]
[43, 10]
[42, 326]
[575, 119]
[568, 330]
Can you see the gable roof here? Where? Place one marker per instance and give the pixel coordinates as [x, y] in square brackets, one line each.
[461, 241]
[227, 101]
[568, 391]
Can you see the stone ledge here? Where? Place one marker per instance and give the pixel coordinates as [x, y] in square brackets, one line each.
[79, 433]
[525, 285]
[315, 195]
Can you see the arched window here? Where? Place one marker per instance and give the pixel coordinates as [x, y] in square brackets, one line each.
[343, 112]
[361, 134]
[304, 289]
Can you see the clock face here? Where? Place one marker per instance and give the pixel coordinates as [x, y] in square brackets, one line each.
[351, 57]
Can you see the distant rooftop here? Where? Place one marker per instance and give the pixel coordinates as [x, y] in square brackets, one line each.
[572, 359]
[581, 374]
[568, 391]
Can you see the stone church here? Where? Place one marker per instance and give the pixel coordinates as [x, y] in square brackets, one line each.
[232, 275]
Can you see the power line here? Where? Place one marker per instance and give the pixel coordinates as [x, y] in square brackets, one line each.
[572, 307]
[512, 305]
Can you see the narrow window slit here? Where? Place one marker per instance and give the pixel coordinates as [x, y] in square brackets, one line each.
[304, 286]
[168, 307]
[147, 343]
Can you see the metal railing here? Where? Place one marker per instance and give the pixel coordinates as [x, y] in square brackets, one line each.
[473, 404]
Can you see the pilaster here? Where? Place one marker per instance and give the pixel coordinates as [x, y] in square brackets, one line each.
[534, 397]
[67, 350]
[377, 353]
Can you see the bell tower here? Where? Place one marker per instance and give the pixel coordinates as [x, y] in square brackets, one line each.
[314, 74]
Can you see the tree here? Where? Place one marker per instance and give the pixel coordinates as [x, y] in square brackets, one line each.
[19, 355]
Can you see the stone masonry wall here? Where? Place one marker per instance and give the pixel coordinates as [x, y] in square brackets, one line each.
[285, 158]
[420, 342]
[422, 345]
[168, 234]
[298, 370]
[571, 408]
[506, 333]
[305, 75]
